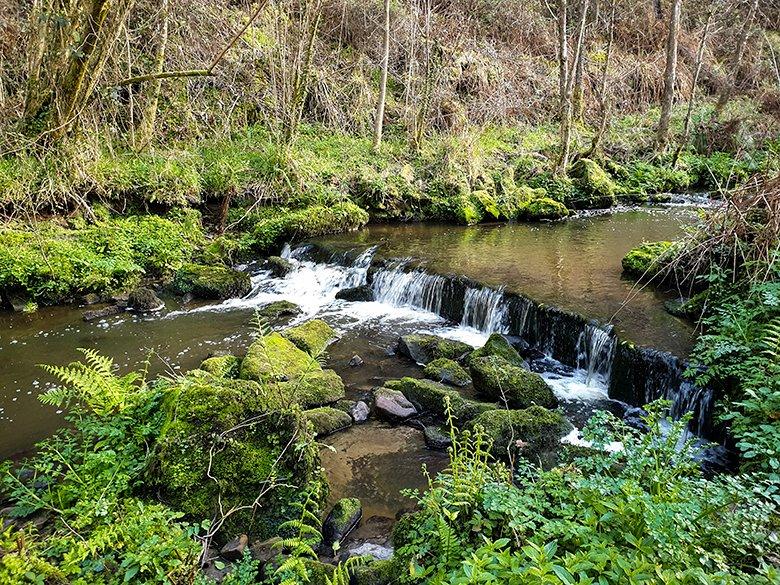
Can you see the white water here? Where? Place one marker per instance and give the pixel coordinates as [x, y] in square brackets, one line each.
[596, 348]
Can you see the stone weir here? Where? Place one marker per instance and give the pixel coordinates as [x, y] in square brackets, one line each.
[632, 374]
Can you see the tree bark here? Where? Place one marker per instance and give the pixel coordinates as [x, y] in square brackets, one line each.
[731, 84]
[563, 55]
[566, 120]
[603, 102]
[578, 94]
[149, 117]
[670, 76]
[380, 106]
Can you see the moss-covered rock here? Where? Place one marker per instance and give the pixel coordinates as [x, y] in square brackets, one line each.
[222, 366]
[274, 357]
[424, 348]
[383, 572]
[327, 420]
[314, 388]
[278, 267]
[595, 188]
[211, 282]
[499, 380]
[278, 310]
[527, 432]
[543, 208]
[437, 438]
[312, 336]
[498, 345]
[647, 259]
[451, 200]
[447, 371]
[210, 453]
[318, 572]
[144, 300]
[343, 518]
[431, 397]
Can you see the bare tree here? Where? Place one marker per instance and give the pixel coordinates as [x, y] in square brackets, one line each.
[670, 76]
[566, 118]
[563, 54]
[149, 117]
[731, 84]
[380, 106]
[603, 101]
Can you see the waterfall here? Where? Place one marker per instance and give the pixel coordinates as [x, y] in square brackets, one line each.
[358, 272]
[595, 352]
[415, 288]
[485, 309]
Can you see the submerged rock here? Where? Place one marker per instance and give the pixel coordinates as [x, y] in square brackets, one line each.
[430, 397]
[279, 267]
[496, 378]
[528, 432]
[393, 405]
[98, 314]
[211, 282]
[342, 520]
[424, 348]
[312, 336]
[447, 371]
[498, 345]
[144, 300]
[356, 294]
[327, 420]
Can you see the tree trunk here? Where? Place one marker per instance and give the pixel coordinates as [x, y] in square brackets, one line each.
[670, 77]
[692, 99]
[149, 117]
[578, 95]
[731, 84]
[566, 120]
[380, 106]
[603, 102]
[63, 76]
[563, 55]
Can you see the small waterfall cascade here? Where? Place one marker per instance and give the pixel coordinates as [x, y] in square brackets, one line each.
[415, 288]
[485, 309]
[357, 273]
[595, 353]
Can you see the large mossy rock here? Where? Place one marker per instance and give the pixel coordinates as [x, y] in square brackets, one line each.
[222, 366]
[278, 310]
[312, 336]
[646, 260]
[341, 520]
[289, 374]
[499, 380]
[424, 348]
[384, 572]
[447, 371]
[431, 397]
[595, 189]
[528, 432]
[498, 345]
[277, 266]
[327, 420]
[211, 282]
[543, 208]
[222, 445]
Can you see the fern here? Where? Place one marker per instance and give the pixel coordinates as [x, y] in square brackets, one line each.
[260, 325]
[343, 573]
[771, 340]
[92, 384]
[300, 547]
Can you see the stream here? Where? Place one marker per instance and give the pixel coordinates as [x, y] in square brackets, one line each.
[532, 270]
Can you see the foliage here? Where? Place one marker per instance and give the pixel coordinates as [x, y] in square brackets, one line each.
[640, 514]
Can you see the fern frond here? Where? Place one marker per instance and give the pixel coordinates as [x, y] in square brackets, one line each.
[771, 340]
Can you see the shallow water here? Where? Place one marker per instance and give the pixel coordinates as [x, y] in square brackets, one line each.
[373, 461]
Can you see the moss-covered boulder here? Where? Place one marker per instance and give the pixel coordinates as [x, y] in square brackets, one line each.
[431, 397]
[424, 348]
[314, 388]
[447, 371]
[503, 382]
[498, 345]
[527, 432]
[222, 366]
[211, 282]
[646, 260]
[542, 208]
[221, 445]
[341, 520]
[595, 189]
[327, 420]
[318, 572]
[384, 572]
[312, 336]
[277, 266]
[278, 310]
[274, 357]
[144, 300]
[452, 200]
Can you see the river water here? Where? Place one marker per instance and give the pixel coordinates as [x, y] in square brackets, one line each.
[573, 264]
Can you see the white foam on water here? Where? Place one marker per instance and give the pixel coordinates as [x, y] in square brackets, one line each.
[576, 387]
[574, 438]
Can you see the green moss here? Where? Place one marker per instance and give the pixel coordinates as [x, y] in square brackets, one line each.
[377, 573]
[208, 453]
[498, 345]
[451, 200]
[647, 259]
[387, 195]
[424, 348]
[447, 371]
[326, 420]
[499, 380]
[269, 234]
[274, 357]
[211, 282]
[543, 208]
[431, 397]
[537, 429]
[318, 572]
[279, 309]
[312, 336]
[595, 187]
[314, 388]
[222, 366]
